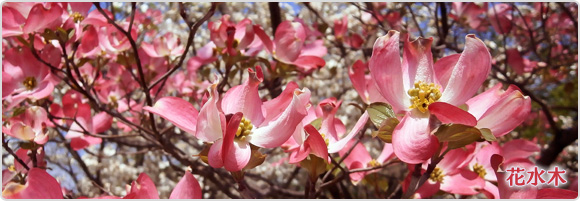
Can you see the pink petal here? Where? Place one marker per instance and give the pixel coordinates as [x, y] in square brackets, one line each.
[454, 160]
[339, 145]
[276, 106]
[515, 60]
[89, 42]
[500, 12]
[214, 156]
[22, 132]
[41, 18]
[150, 50]
[471, 70]
[245, 98]
[556, 193]
[357, 78]
[444, 67]
[276, 132]
[505, 191]
[40, 185]
[428, 189]
[385, 67]
[465, 183]
[316, 143]
[143, 188]
[289, 41]
[357, 176]
[81, 7]
[79, 143]
[479, 104]
[209, 122]
[490, 190]
[417, 62]
[187, 188]
[447, 114]
[358, 154]
[315, 48]
[308, 63]
[506, 114]
[235, 153]
[265, 38]
[102, 122]
[519, 148]
[412, 139]
[177, 111]
[386, 154]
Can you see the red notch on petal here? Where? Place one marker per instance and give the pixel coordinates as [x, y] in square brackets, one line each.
[447, 113]
[316, 143]
[233, 124]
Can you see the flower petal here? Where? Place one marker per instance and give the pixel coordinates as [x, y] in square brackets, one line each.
[316, 143]
[187, 188]
[276, 106]
[447, 114]
[177, 111]
[337, 146]
[506, 114]
[479, 104]
[417, 62]
[385, 67]
[412, 139]
[40, 185]
[235, 153]
[444, 67]
[465, 182]
[276, 132]
[245, 98]
[357, 77]
[469, 73]
[519, 148]
[214, 155]
[289, 41]
[556, 193]
[143, 188]
[210, 126]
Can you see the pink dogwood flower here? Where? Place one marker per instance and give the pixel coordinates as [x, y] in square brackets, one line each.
[331, 130]
[364, 85]
[452, 176]
[144, 188]
[290, 47]
[24, 77]
[31, 126]
[232, 136]
[499, 110]
[361, 158]
[518, 150]
[39, 185]
[420, 88]
[167, 45]
[526, 192]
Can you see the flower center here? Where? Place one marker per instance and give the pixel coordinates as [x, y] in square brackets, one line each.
[30, 83]
[244, 129]
[325, 139]
[373, 163]
[477, 168]
[437, 175]
[423, 94]
[77, 17]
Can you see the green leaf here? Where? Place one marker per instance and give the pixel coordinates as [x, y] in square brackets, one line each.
[487, 135]
[385, 132]
[18, 111]
[378, 112]
[317, 123]
[457, 135]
